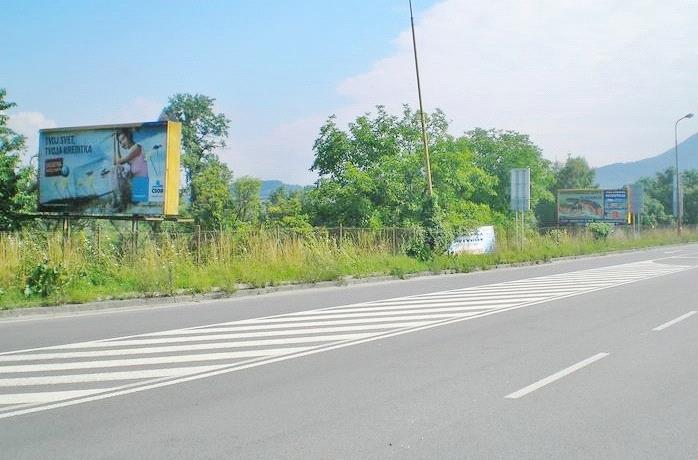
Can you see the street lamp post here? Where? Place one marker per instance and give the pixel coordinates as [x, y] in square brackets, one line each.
[679, 198]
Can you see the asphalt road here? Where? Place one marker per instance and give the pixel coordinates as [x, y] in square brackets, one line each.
[588, 358]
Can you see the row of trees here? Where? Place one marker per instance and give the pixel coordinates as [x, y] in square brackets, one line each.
[371, 174]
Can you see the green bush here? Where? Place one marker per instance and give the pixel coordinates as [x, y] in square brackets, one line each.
[601, 230]
[557, 235]
[419, 248]
[44, 279]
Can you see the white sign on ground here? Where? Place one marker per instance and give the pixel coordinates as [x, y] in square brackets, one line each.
[479, 241]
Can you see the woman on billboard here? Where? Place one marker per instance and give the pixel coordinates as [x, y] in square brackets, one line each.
[138, 169]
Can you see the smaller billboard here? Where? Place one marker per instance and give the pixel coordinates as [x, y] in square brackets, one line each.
[616, 209]
[593, 205]
[115, 170]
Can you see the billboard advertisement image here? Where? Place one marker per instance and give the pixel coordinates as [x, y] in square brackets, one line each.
[583, 206]
[128, 169]
[579, 206]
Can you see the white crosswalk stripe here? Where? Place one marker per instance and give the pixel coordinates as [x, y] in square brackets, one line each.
[56, 376]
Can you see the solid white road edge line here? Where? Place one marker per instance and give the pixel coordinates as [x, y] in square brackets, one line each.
[556, 376]
[661, 327]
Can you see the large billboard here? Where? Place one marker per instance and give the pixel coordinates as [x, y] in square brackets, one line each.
[583, 206]
[130, 169]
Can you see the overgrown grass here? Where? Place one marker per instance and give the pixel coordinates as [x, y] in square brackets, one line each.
[43, 269]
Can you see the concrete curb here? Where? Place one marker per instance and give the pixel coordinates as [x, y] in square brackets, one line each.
[247, 291]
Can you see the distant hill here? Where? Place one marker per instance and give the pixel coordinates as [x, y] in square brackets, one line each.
[268, 186]
[619, 174]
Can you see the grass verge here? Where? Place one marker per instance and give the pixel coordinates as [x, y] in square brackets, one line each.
[43, 269]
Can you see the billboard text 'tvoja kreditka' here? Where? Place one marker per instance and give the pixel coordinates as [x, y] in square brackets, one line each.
[130, 169]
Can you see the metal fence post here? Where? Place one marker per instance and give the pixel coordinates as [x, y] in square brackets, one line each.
[134, 236]
[198, 244]
[97, 242]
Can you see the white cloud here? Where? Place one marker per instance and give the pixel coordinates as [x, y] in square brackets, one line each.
[285, 153]
[605, 79]
[601, 78]
[28, 124]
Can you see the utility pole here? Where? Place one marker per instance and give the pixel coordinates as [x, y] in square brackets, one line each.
[679, 197]
[425, 142]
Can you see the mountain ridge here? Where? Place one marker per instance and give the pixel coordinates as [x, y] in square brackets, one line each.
[616, 175]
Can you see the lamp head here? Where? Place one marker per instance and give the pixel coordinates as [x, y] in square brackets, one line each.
[689, 115]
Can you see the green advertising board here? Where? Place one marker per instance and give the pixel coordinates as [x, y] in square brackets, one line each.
[592, 205]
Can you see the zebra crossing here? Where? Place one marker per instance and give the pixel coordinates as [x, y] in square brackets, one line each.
[49, 377]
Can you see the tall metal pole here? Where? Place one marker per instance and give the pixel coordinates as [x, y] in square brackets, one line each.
[427, 163]
[679, 198]
[676, 176]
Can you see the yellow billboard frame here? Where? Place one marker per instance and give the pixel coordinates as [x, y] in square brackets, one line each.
[172, 168]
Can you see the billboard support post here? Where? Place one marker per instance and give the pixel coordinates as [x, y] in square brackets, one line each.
[637, 203]
[134, 237]
[198, 244]
[636, 224]
[66, 232]
[97, 242]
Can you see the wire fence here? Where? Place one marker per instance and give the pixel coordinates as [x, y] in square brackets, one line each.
[126, 240]
[129, 238]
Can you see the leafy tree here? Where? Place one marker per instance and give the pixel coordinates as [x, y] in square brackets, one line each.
[654, 214]
[658, 198]
[373, 174]
[284, 209]
[689, 188]
[498, 152]
[371, 138]
[214, 202]
[13, 178]
[246, 201]
[203, 132]
[575, 173]
[464, 190]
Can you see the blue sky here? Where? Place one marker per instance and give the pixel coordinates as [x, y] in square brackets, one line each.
[84, 62]
[254, 57]
[561, 71]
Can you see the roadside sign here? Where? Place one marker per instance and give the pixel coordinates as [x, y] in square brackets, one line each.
[520, 189]
[637, 197]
